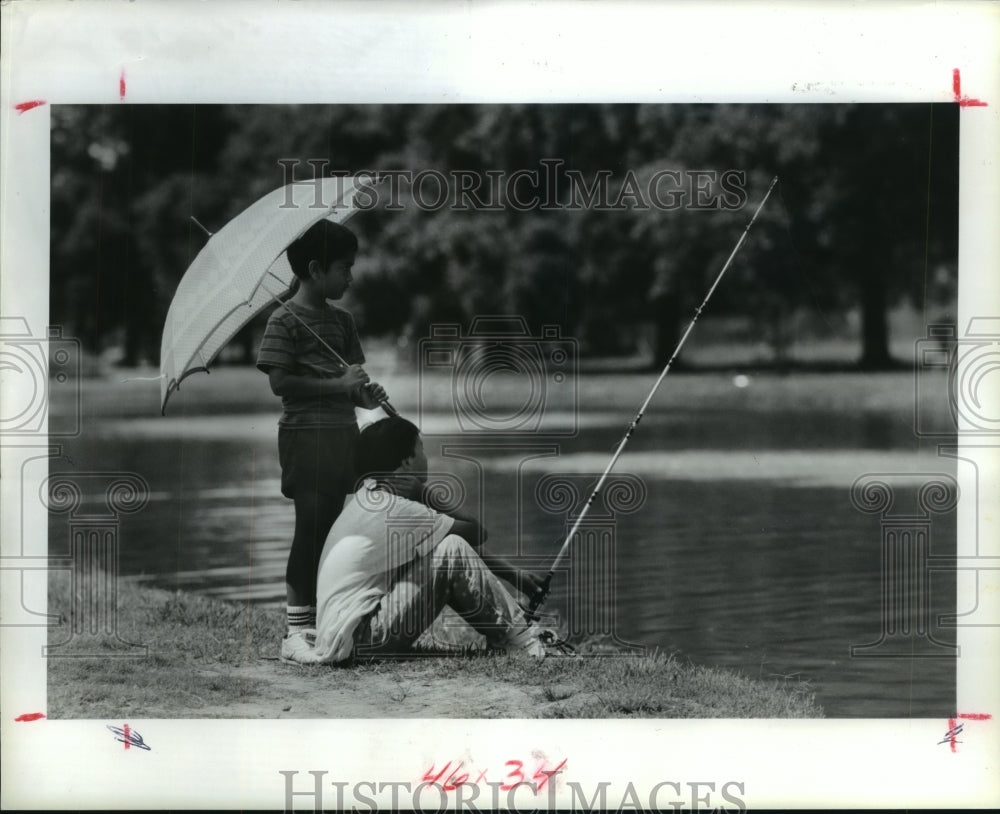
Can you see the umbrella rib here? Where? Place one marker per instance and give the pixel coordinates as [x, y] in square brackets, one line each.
[201, 345]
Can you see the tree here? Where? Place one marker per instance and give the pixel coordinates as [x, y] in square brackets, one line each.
[890, 206]
[866, 202]
[122, 189]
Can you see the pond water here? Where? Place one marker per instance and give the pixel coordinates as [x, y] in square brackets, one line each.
[738, 545]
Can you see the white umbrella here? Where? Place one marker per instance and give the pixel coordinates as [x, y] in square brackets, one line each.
[240, 271]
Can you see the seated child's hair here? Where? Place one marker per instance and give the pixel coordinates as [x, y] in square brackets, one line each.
[383, 446]
[324, 241]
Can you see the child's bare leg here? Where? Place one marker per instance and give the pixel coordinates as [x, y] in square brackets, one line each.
[314, 515]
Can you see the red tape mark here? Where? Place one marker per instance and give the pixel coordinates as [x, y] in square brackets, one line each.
[30, 716]
[126, 733]
[954, 729]
[956, 86]
[121, 85]
[24, 107]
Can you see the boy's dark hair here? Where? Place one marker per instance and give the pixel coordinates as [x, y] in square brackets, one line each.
[384, 445]
[324, 241]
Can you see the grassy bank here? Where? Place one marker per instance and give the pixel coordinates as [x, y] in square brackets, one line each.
[213, 659]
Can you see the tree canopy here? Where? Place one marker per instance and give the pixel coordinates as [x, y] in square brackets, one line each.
[864, 215]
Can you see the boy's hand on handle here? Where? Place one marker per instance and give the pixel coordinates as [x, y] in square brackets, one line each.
[534, 585]
[354, 378]
[363, 391]
[371, 395]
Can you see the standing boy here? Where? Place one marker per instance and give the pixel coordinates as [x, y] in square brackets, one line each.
[318, 430]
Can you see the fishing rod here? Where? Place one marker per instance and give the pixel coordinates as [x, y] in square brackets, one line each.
[384, 404]
[539, 597]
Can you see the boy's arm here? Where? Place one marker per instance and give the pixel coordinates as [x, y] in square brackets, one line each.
[469, 529]
[473, 532]
[522, 579]
[284, 383]
[371, 395]
[276, 357]
[465, 525]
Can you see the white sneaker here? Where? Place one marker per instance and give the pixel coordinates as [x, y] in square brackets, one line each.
[297, 647]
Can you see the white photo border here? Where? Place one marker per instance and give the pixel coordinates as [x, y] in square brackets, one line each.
[269, 52]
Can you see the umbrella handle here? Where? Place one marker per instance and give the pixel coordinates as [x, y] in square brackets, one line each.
[385, 405]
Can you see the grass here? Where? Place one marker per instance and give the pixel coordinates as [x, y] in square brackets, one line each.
[194, 645]
[211, 658]
[650, 686]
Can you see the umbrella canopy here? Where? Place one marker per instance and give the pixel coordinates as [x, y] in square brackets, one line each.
[240, 271]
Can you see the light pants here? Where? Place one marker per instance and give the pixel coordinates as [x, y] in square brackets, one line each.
[453, 575]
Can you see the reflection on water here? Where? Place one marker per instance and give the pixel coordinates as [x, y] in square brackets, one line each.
[753, 560]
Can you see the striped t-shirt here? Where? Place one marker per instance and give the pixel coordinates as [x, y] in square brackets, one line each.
[289, 346]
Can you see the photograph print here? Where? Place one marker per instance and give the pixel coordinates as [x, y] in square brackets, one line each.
[511, 411]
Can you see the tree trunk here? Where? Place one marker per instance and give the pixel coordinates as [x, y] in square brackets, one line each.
[667, 319]
[875, 321]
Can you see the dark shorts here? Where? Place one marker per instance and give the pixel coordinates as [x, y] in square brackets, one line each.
[317, 460]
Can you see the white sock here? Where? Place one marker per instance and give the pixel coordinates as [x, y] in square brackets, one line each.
[300, 617]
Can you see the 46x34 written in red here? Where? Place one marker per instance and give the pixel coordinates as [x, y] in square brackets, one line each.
[450, 779]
